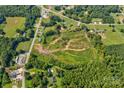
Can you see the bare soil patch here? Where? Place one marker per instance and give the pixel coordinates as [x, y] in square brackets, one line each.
[40, 49]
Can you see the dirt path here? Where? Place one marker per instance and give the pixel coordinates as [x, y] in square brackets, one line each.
[68, 44]
[53, 42]
[76, 49]
[64, 49]
[67, 47]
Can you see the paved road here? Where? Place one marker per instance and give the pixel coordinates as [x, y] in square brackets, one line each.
[31, 47]
[59, 14]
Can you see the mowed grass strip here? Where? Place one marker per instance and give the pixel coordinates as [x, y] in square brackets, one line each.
[13, 23]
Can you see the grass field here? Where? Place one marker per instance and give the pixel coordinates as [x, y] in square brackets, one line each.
[13, 23]
[24, 46]
[113, 38]
[101, 27]
[72, 57]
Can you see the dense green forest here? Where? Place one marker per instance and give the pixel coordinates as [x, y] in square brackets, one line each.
[21, 11]
[4, 78]
[87, 13]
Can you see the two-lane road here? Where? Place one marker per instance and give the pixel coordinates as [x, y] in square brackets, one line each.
[31, 47]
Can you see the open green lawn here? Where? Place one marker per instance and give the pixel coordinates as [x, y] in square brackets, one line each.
[13, 23]
[99, 27]
[96, 20]
[114, 37]
[24, 46]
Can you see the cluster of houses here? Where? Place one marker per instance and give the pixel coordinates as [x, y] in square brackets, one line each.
[97, 22]
[16, 74]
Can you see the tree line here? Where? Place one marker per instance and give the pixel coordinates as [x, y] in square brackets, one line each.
[87, 13]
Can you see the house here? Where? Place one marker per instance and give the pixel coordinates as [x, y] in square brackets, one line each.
[53, 79]
[14, 74]
[24, 34]
[49, 71]
[20, 60]
[94, 22]
[39, 39]
[97, 21]
[45, 14]
[78, 23]
[86, 13]
[100, 23]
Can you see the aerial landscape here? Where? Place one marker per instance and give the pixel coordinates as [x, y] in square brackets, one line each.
[62, 46]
